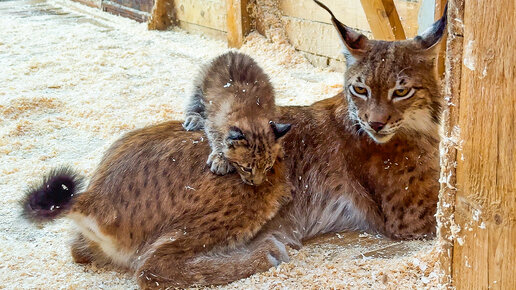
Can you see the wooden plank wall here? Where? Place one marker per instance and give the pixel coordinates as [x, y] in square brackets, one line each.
[484, 251]
[309, 28]
[202, 16]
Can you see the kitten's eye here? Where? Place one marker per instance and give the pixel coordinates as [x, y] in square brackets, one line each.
[246, 169]
[359, 91]
[402, 94]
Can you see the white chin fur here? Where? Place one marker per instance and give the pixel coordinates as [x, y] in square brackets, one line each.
[380, 138]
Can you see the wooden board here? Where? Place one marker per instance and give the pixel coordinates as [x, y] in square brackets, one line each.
[211, 14]
[90, 3]
[350, 12]
[203, 30]
[138, 10]
[485, 256]
[314, 37]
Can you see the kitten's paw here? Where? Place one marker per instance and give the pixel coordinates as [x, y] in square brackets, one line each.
[193, 122]
[219, 165]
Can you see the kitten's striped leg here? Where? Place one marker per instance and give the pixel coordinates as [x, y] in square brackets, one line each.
[193, 122]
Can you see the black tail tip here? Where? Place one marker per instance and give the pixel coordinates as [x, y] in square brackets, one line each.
[53, 196]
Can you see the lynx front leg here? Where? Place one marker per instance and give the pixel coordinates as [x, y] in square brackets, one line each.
[410, 214]
[164, 270]
[193, 122]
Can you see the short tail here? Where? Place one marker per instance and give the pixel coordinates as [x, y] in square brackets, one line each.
[53, 197]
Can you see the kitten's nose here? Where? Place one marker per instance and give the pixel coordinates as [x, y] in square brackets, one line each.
[377, 126]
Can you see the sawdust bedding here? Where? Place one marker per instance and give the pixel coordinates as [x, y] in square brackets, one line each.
[74, 79]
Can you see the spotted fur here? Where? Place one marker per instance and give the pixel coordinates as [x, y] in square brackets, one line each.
[147, 207]
[233, 101]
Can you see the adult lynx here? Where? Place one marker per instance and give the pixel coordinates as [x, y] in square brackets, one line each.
[365, 159]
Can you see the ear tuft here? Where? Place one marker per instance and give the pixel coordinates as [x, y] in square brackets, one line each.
[430, 37]
[354, 42]
[280, 129]
[235, 134]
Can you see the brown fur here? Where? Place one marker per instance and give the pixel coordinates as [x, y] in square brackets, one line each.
[153, 204]
[233, 101]
[151, 208]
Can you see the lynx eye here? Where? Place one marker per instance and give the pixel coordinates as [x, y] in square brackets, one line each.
[359, 91]
[402, 94]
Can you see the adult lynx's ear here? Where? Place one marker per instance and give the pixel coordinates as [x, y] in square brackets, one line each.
[355, 43]
[280, 129]
[431, 37]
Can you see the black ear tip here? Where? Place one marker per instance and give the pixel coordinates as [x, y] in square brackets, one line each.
[434, 33]
[280, 129]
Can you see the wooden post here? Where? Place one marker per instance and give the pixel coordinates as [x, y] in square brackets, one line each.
[383, 19]
[160, 15]
[484, 226]
[450, 143]
[439, 9]
[237, 22]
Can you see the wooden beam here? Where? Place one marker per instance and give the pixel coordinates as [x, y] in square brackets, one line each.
[160, 16]
[484, 230]
[383, 19]
[450, 143]
[439, 9]
[238, 23]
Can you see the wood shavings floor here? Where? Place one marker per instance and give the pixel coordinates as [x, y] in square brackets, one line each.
[74, 79]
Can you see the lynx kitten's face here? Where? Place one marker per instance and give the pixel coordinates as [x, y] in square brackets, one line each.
[254, 148]
[390, 91]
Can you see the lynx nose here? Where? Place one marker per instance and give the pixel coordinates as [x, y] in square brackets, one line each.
[377, 126]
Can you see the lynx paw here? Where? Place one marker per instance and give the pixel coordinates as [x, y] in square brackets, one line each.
[218, 164]
[193, 122]
[273, 253]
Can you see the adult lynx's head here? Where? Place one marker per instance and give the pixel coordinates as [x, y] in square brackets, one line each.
[391, 86]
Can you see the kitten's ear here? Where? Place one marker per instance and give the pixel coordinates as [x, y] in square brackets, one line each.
[235, 134]
[431, 37]
[355, 43]
[280, 129]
